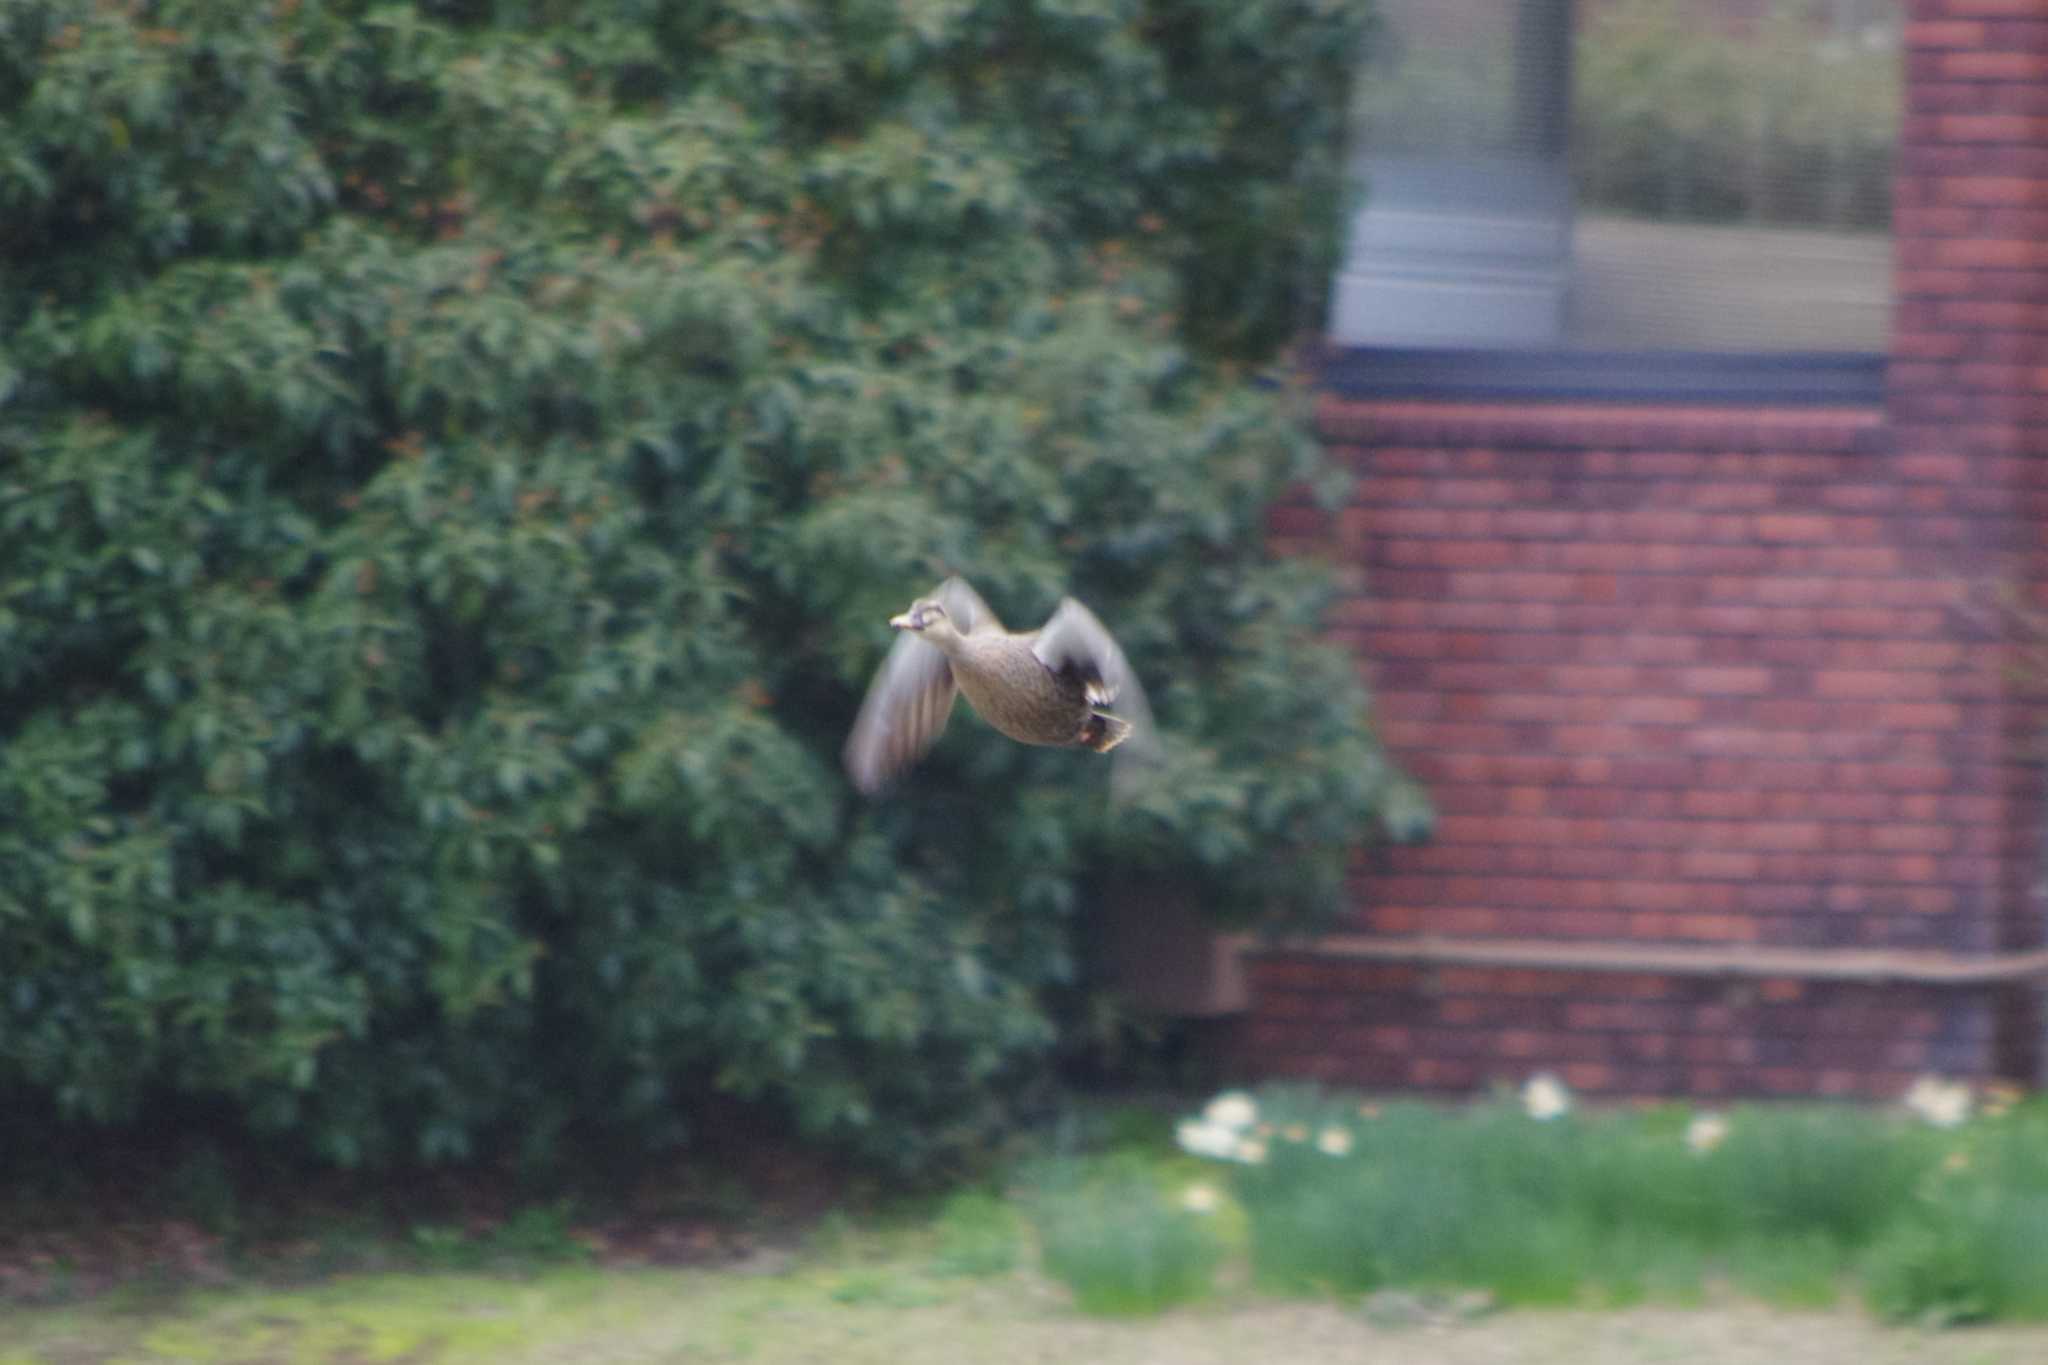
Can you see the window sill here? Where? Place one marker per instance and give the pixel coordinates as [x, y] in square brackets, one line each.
[1758, 378]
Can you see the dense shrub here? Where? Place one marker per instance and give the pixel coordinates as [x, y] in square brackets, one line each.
[456, 460]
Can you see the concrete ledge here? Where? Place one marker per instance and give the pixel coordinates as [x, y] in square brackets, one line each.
[1671, 959]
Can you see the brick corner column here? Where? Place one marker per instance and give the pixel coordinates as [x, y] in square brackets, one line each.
[1967, 398]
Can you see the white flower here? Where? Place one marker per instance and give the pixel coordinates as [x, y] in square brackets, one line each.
[1232, 1109]
[1706, 1132]
[1204, 1137]
[1945, 1104]
[1201, 1199]
[1545, 1098]
[1334, 1141]
[1199, 1137]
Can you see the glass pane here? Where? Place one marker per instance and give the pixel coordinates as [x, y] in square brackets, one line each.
[1624, 175]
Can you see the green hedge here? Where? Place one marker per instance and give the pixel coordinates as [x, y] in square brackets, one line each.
[456, 461]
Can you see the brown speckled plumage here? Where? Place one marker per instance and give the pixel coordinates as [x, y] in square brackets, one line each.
[1047, 686]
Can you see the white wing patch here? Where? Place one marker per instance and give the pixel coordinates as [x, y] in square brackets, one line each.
[1073, 638]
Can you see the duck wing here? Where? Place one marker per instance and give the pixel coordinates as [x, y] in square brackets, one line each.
[911, 698]
[1074, 641]
[964, 606]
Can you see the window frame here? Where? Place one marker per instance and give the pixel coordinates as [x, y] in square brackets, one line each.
[1511, 371]
[1776, 378]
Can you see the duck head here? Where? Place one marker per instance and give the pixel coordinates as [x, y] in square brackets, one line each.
[927, 618]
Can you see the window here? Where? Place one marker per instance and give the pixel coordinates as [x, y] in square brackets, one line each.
[1624, 176]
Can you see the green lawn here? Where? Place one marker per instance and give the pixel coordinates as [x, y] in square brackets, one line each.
[859, 1306]
[1294, 1225]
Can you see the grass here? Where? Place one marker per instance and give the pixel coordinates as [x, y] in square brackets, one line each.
[1974, 1244]
[482, 1304]
[1385, 1213]
[1111, 1232]
[875, 1303]
[979, 1234]
[1795, 1205]
[539, 1234]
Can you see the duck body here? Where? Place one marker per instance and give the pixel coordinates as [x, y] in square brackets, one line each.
[1051, 686]
[1012, 689]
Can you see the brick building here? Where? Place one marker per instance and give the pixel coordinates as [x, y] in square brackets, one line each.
[1705, 656]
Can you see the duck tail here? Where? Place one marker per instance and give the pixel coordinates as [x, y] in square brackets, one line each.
[1104, 732]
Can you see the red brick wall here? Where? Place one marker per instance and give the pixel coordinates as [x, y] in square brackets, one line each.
[1672, 676]
[1968, 390]
[1718, 675]
[1398, 1027]
[1666, 676]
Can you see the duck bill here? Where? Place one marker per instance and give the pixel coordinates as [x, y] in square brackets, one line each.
[904, 622]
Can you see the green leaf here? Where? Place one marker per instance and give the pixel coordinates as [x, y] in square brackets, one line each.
[455, 474]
